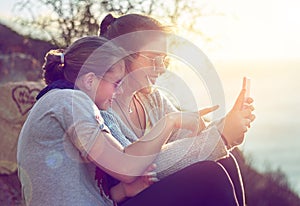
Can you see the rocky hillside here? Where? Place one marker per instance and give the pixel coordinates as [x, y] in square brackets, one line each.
[21, 57]
[265, 189]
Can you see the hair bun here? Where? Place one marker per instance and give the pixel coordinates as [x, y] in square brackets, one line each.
[53, 66]
[106, 22]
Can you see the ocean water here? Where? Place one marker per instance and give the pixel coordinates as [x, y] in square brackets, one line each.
[273, 141]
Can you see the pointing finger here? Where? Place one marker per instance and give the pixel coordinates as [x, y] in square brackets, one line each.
[207, 110]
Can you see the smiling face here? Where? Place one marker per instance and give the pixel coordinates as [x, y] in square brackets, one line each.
[108, 85]
[147, 65]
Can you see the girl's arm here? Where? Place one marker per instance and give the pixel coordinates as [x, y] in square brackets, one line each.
[125, 164]
[123, 190]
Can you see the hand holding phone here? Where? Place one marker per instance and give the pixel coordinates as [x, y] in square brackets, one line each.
[246, 86]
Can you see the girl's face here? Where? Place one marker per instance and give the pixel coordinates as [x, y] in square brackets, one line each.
[109, 85]
[147, 65]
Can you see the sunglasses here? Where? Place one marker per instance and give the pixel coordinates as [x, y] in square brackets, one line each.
[156, 60]
[116, 85]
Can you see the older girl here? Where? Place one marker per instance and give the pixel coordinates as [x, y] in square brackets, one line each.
[144, 106]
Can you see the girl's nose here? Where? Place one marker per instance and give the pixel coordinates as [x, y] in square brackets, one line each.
[160, 65]
[160, 69]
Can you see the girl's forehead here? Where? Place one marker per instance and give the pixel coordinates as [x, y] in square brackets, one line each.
[157, 45]
[154, 54]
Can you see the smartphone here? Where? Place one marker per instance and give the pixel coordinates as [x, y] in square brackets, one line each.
[246, 85]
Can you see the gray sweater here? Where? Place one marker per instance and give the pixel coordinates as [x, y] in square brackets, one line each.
[53, 145]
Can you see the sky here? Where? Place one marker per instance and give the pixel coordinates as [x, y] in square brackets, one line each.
[257, 29]
[251, 29]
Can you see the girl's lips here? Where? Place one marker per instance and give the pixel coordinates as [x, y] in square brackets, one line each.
[153, 79]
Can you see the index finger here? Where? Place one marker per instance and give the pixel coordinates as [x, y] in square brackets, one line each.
[207, 110]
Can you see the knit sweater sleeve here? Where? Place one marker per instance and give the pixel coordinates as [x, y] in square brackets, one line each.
[181, 151]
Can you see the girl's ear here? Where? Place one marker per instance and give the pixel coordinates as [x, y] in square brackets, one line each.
[89, 80]
[86, 81]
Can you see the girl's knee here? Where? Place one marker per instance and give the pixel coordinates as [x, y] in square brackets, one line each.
[210, 171]
[209, 166]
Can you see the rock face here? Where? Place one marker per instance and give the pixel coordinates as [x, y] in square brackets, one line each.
[21, 58]
[12, 42]
[19, 67]
[16, 99]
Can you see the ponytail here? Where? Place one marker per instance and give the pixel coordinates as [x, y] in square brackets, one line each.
[106, 23]
[54, 66]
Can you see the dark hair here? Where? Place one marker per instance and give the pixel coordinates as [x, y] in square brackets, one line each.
[141, 30]
[112, 27]
[87, 54]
